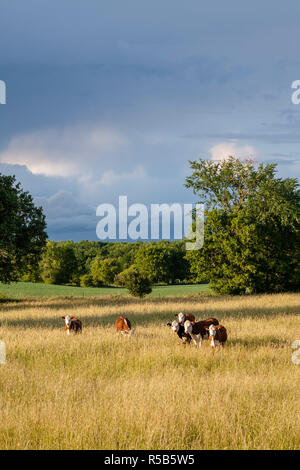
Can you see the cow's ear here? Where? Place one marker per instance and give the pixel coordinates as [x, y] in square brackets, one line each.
[169, 324]
[63, 318]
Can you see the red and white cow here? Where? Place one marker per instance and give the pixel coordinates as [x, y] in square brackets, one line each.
[72, 324]
[199, 330]
[123, 326]
[178, 328]
[217, 335]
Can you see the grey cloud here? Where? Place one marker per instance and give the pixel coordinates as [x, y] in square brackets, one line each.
[66, 213]
[172, 79]
[249, 137]
[38, 185]
[63, 204]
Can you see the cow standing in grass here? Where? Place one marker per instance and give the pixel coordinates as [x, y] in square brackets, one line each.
[72, 324]
[178, 328]
[217, 335]
[123, 326]
[199, 330]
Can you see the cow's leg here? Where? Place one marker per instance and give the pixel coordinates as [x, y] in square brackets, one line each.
[195, 338]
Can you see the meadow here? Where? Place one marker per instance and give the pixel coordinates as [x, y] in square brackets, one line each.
[102, 391]
[19, 290]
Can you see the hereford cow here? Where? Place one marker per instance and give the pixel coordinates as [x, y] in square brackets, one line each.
[178, 328]
[217, 335]
[123, 326]
[72, 324]
[199, 330]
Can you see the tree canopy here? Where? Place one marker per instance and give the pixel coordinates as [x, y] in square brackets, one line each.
[251, 234]
[22, 230]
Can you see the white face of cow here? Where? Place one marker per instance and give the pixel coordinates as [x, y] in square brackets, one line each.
[212, 330]
[175, 326]
[181, 317]
[188, 327]
[68, 320]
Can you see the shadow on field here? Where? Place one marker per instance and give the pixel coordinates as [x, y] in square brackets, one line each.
[87, 321]
[105, 301]
[201, 305]
[158, 318]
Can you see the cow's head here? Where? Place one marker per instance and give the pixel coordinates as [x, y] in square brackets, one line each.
[181, 317]
[188, 327]
[68, 320]
[212, 330]
[175, 326]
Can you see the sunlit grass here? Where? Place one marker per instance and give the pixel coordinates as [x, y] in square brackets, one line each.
[21, 290]
[98, 390]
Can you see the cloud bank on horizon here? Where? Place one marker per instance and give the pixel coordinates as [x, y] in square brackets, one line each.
[108, 99]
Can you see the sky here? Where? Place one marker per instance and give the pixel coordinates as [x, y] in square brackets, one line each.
[114, 98]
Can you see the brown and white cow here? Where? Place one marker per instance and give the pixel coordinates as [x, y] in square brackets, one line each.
[217, 335]
[72, 324]
[178, 328]
[123, 326]
[199, 330]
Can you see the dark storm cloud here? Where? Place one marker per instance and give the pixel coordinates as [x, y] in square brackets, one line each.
[108, 98]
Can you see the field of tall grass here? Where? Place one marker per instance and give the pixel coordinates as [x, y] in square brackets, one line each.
[101, 391]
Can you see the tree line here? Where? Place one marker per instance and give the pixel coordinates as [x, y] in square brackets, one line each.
[96, 264]
[251, 238]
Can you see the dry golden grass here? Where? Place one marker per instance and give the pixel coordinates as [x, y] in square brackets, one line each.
[98, 390]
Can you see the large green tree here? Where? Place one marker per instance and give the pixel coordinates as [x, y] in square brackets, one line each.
[251, 235]
[22, 230]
